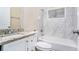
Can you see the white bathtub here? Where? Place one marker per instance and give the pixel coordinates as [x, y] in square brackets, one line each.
[60, 44]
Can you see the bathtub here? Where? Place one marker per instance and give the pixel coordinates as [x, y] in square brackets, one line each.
[59, 44]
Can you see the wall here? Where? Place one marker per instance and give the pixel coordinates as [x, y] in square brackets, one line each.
[4, 17]
[78, 18]
[24, 17]
[29, 18]
[15, 17]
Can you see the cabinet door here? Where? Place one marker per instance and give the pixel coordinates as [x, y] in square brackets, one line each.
[18, 45]
[31, 43]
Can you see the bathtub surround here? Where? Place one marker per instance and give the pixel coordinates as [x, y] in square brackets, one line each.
[61, 27]
[71, 23]
[57, 29]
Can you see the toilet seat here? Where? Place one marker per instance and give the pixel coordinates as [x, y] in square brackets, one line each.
[43, 46]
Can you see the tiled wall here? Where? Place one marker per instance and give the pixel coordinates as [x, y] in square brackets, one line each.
[61, 27]
[70, 23]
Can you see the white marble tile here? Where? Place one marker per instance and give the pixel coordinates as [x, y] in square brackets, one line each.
[61, 27]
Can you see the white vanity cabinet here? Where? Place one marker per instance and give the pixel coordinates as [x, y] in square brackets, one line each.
[25, 44]
[18, 45]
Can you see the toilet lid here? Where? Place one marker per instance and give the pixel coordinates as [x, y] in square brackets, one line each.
[44, 45]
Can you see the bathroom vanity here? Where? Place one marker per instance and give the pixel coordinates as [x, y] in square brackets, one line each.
[22, 41]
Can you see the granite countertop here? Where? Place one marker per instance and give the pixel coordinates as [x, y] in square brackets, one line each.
[14, 37]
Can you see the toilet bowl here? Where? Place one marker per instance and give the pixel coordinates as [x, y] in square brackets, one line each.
[43, 46]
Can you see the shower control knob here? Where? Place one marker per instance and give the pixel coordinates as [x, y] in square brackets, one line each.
[76, 32]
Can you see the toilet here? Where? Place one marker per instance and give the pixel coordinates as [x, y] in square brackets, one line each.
[43, 46]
